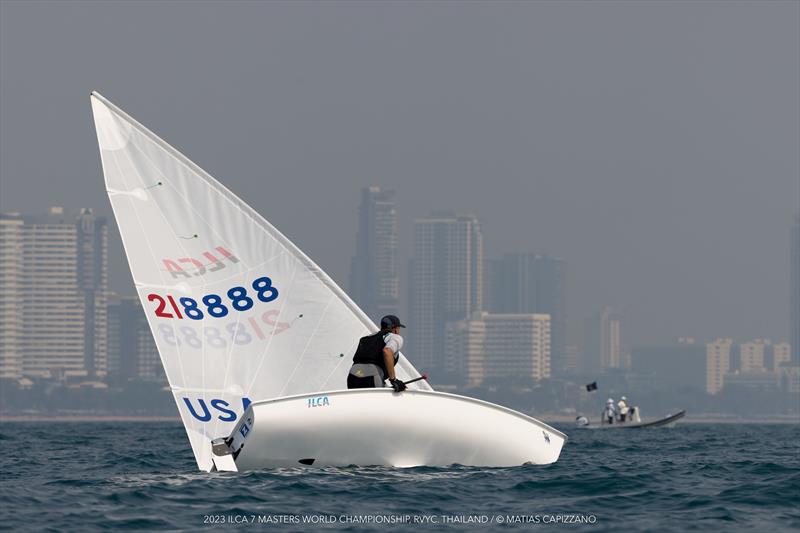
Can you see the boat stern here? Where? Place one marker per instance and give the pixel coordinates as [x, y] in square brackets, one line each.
[225, 450]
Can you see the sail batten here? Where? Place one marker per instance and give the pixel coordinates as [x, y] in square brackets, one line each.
[238, 312]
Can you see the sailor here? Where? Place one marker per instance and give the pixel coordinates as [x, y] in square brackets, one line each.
[376, 356]
[609, 412]
[623, 408]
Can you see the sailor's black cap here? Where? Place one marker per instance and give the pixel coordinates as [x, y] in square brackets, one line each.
[391, 321]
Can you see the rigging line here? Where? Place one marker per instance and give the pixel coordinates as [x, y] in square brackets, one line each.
[265, 353]
[161, 275]
[187, 202]
[308, 343]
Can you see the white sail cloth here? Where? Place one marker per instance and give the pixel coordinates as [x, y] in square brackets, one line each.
[238, 312]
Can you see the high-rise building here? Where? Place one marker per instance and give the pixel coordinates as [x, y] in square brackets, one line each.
[778, 355]
[718, 363]
[751, 356]
[60, 279]
[602, 347]
[498, 347]
[794, 315]
[92, 272]
[132, 352]
[374, 281]
[10, 297]
[464, 351]
[532, 283]
[446, 282]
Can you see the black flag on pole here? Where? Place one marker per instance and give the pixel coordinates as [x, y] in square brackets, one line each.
[591, 386]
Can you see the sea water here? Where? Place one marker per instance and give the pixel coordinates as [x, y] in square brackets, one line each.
[80, 476]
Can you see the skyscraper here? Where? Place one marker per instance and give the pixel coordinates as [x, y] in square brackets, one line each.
[374, 282]
[446, 282]
[532, 283]
[58, 271]
[794, 315]
[602, 337]
[92, 274]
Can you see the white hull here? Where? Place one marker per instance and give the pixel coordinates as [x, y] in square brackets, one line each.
[380, 427]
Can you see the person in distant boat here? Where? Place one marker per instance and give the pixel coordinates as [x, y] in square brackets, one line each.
[610, 412]
[623, 408]
[376, 356]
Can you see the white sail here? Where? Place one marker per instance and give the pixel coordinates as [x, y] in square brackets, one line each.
[238, 312]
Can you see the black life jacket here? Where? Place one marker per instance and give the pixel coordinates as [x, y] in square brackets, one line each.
[370, 351]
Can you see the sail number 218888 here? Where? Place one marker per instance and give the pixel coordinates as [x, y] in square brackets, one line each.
[213, 303]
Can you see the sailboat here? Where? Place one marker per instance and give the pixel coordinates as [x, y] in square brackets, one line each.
[256, 340]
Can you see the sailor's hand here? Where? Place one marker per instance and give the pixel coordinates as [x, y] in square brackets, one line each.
[398, 385]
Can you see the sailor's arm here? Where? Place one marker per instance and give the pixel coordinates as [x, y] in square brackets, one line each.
[388, 361]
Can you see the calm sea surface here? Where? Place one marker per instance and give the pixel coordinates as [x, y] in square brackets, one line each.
[142, 476]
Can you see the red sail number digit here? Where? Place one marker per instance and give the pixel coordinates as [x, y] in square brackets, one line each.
[161, 305]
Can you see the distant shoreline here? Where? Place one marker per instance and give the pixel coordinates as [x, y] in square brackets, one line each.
[559, 419]
[697, 419]
[87, 418]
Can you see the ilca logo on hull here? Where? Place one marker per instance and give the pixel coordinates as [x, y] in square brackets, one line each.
[319, 401]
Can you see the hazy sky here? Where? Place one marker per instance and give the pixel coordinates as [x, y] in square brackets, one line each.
[654, 146]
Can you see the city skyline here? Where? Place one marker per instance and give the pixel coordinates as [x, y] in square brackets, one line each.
[487, 279]
[669, 173]
[584, 214]
[54, 283]
[468, 344]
